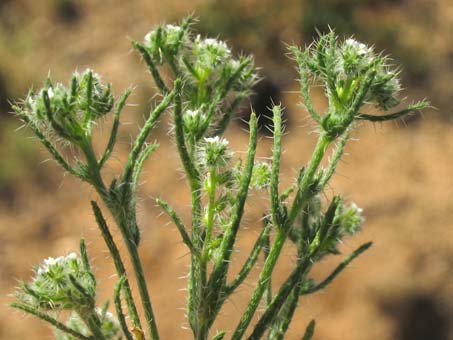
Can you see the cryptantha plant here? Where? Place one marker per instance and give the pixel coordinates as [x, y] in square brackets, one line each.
[202, 89]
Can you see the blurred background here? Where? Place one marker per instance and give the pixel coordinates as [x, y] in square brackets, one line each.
[400, 173]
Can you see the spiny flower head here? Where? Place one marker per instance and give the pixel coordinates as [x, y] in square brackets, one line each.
[60, 283]
[193, 121]
[215, 82]
[261, 175]
[214, 152]
[347, 66]
[208, 56]
[68, 112]
[349, 218]
[92, 95]
[353, 76]
[340, 220]
[163, 40]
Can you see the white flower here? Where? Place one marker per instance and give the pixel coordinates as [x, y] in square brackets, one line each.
[193, 113]
[217, 44]
[51, 261]
[216, 140]
[50, 92]
[71, 256]
[172, 28]
[360, 48]
[356, 208]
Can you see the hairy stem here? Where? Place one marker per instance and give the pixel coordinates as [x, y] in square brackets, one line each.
[281, 236]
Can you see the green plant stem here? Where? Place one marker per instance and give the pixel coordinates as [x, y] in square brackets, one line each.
[123, 225]
[116, 123]
[94, 175]
[212, 178]
[151, 66]
[285, 315]
[141, 282]
[281, 235]
[276, 154]
[217, 280]
[196, 276]
[338, 153]
[179, 224]
[47, 144]
[93, 323]
[251, 259]
[306, 180]
[219, 336]
[264, 277]
[279, 299]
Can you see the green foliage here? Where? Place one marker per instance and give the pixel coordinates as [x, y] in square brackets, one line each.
[204, 88]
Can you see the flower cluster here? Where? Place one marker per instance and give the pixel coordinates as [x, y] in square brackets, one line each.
[61, 283]
[165, 40]
[193, 120]
[261, 175]
[324, 230]
[214, 80]
[355, 60]
[68, 112]
[214, 152]
[353, 76]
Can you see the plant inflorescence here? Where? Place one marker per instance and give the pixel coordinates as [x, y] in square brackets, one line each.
[204, 89]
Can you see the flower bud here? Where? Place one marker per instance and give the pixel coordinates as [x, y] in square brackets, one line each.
[209, 57]
[353, 76]
[349, 219]
[100, 100]
[168, 39]
[214, 151]
[355, 58]
[68, 113]
[193, 121]
[261, 176]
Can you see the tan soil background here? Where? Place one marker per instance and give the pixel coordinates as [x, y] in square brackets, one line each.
[401, 174]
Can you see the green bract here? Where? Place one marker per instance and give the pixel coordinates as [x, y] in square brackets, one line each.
[204, 87]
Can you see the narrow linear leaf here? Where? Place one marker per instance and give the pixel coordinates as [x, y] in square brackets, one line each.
[141, 139]
[151, 66]
[251, 259]
[309, 331]
[116, 123]
[323, 284]
[219, 336]
[119, 308]
[396, 115]
[179, 224]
